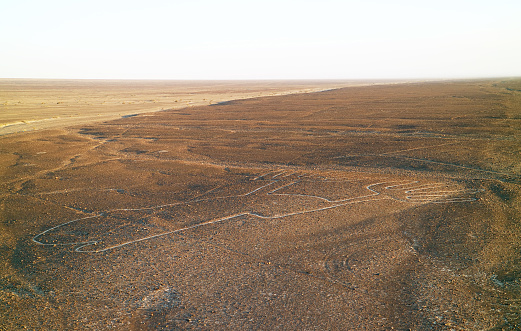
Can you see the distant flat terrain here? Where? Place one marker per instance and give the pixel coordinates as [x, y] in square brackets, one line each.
[379, 207]
[30, 104]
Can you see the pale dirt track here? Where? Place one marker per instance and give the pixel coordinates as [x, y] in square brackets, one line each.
[28, 105]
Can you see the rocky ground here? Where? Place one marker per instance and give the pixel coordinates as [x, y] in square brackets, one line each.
[371, 207]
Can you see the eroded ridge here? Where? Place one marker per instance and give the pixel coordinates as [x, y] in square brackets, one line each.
[273, 195]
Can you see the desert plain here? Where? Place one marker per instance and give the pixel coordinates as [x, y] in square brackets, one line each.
[374, 207]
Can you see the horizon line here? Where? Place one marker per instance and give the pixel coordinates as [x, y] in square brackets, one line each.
[273, 79]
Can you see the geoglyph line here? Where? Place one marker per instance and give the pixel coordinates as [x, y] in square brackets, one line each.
[403, 191]
[418, 148]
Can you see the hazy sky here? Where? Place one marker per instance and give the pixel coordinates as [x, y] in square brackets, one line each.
[279, 39]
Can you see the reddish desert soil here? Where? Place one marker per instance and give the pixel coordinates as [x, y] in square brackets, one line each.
[363, 208]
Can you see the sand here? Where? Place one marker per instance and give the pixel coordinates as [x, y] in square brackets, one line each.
[368, 207]
[28, 105]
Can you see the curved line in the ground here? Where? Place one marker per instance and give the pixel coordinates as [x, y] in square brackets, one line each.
[422, 197]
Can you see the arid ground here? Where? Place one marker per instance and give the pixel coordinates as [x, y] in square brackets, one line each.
[361, 208]
[29, 104]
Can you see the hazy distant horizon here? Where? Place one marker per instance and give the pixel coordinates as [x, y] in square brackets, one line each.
[268, 40]
[332, 80]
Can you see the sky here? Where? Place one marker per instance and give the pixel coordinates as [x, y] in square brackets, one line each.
[268, 39]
